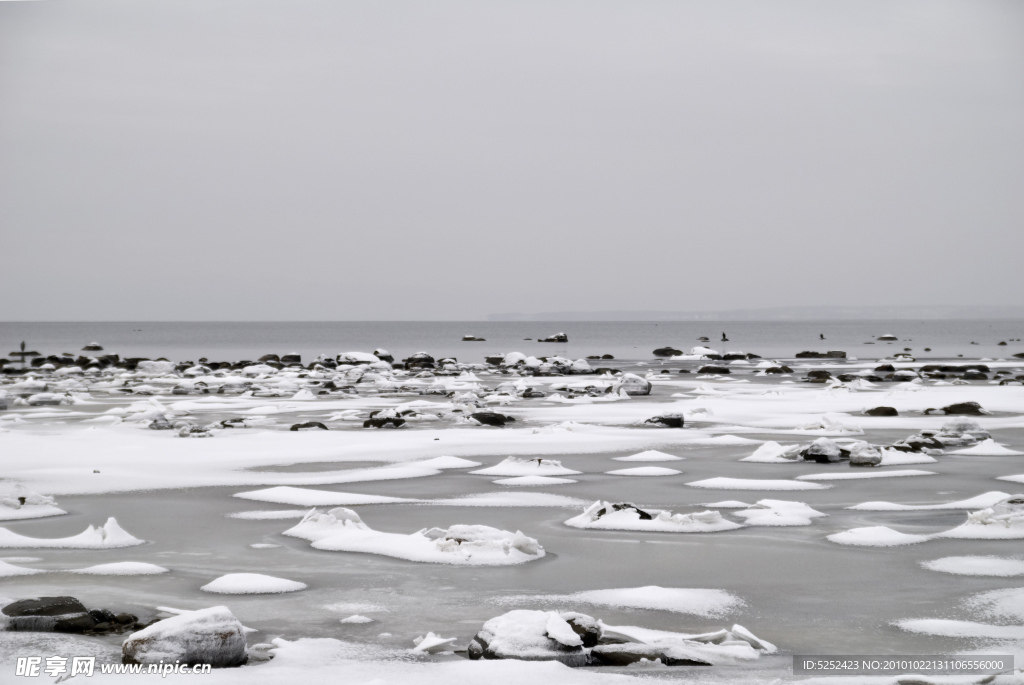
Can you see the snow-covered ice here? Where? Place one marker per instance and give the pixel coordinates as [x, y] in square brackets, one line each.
[251, 584]
[341, 530]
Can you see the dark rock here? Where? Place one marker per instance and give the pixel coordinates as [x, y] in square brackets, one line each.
[885, 368]
[667, 352]
[383, 355]
[126, 619]
[714, 369]
[964, 409]
[45, 606]
[607, 356]
[96, 347]
[420, 360]
[667, 420]
[556, 338]
[309, 425]
[472, 338]
[975, 376]
[291, 358]
[882, 411]
[778, 370]
[269, 358]
[490, 418]
[819, 373]
[847, 377]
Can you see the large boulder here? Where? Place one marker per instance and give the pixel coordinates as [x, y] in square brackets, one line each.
[882, 411]
[534, 636]
[556, 338]
[667, 420]
[490, 418]
[208, 636]
[667, 352]
[631, 384]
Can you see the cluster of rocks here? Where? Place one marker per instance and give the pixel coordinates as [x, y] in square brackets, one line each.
[831, 354]
[207, 636]
[576, 639]
[64, 615]
[556, 338]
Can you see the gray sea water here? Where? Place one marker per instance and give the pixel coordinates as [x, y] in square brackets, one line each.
[632, 340]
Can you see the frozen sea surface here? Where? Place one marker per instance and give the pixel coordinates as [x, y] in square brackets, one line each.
[792, 585]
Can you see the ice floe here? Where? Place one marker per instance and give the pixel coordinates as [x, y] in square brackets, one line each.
[109, 536]
[705, 602]
[306, 497]
[514, 466]
[977, 566]
[341, 530]
[987, 499]
[865, 474]
[533, 480]
[624, 516]
[10, 570]
[22, 503]
[721, 483]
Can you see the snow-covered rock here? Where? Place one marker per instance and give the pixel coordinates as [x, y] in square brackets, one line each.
[208, 636]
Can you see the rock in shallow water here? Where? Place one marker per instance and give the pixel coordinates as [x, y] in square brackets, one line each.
[208, 636]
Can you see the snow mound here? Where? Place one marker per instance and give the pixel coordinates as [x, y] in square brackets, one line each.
[876, 536]
[649, 455]
[984, 500]
[251, 584]
[356, 618]
[773, 453]
[305, 497]
[513, 466]
[341, 530]
[645, 471]
[109, 536]
[123, 568]
[753, 484]
[977, 566]
[988, 448]
[774, 512]
[624, 516]
[533, 480]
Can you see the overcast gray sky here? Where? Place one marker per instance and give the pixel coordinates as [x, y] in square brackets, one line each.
[385, 159]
